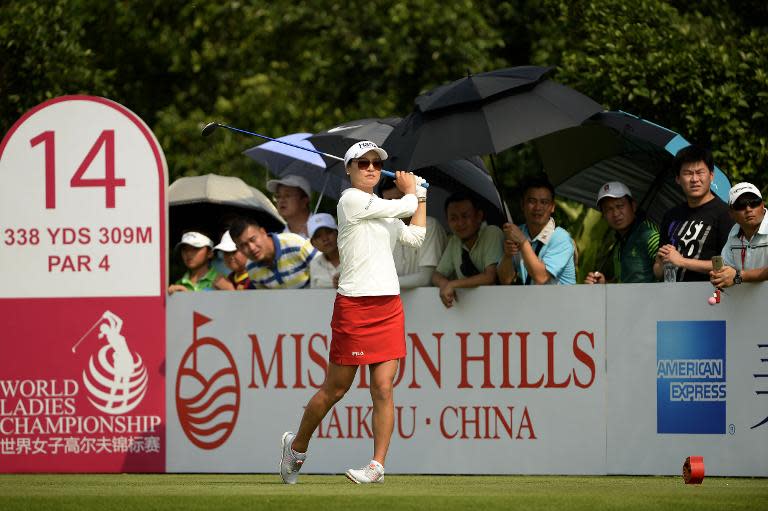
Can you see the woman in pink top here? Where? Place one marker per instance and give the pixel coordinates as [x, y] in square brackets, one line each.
[368, 322]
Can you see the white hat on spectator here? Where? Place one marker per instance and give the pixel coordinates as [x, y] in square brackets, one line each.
[319, 220]
[195, 239]
[359, 149]
[290, 180]
[740, 189]
[613, 189]
[226, 244]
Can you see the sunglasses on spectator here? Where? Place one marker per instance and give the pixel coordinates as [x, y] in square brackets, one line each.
[741, 205]
[364, 164]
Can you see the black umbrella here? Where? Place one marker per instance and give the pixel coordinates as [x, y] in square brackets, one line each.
[485, 114]
[338, 139]
[616, 146]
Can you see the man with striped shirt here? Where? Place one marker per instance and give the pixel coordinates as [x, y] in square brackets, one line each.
[278, 260]
[637, 238]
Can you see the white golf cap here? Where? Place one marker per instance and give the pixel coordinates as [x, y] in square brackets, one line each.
[740, 189]
[319, 220]
[195, 239]
[359, 149]
[613, 189]
[226, 244]
[290, 180]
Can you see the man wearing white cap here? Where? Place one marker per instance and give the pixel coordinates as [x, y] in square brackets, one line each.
[745, 255]
[292, 200]
[694, 231]
[324, 268]
[637, 238]
[196, 253]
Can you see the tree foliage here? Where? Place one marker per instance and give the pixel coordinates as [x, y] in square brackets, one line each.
[282, 66]
[704, 76]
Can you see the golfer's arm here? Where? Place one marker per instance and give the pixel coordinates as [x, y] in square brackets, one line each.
[533, 264]
[506, 270]
[419, 218]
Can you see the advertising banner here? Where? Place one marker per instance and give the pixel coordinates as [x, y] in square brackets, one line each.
[686, 378]
[504, 382]
[82, 266]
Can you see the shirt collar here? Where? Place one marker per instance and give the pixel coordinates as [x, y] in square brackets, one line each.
[763, 229]
[545, 234]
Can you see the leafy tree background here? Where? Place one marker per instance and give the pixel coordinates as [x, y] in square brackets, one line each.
[281, 66]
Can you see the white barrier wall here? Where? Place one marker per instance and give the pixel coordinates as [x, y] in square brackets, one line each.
[511, 380]
[502, 383]
[685, 378]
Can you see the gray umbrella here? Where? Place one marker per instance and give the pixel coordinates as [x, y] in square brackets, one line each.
[282, 160]
[208, 203]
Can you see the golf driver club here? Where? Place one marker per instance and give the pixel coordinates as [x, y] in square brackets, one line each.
[211, 126]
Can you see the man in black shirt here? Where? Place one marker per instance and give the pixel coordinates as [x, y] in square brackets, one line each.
[696, 230]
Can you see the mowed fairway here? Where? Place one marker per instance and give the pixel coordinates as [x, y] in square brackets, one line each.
[123, 492]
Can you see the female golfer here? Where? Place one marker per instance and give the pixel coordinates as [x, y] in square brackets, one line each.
[368, 323]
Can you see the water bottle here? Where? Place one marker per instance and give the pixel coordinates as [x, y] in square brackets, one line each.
[670, 272]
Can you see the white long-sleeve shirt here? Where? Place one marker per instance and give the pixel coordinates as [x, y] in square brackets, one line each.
[369, 227]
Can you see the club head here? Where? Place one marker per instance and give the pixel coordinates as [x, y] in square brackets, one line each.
[209, 128]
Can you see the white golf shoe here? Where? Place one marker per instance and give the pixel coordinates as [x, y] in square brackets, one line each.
[372, 473]
[290, 464]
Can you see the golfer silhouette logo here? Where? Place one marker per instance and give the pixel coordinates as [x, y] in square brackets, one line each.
[207, 390]
[116, 379]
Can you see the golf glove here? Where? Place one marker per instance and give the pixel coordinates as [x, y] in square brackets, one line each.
[420, 190]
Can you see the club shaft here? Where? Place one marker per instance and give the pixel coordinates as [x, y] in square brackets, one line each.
[85, 335]
[331, 156]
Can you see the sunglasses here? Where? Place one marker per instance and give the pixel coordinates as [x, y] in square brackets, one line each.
[752, 203]
[364, 164]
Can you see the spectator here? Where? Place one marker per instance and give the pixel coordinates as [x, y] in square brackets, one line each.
[637, 238]
[236, 261]
[324, 234]
[278, 261]
[415, 265]
[292, 194]
[694, 231]
[745, 255]
[538, 252]
[472, 251]
[196, 253]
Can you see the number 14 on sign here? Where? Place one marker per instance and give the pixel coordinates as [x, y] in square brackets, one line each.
[109, 182]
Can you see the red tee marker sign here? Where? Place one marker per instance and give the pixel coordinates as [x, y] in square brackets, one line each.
[82, 266]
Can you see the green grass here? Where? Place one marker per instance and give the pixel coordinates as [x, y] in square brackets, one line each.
[123, 492]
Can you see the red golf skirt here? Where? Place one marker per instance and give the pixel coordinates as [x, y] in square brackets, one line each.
[367, 330]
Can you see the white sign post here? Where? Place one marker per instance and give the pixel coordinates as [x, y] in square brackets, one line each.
[82, 272]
